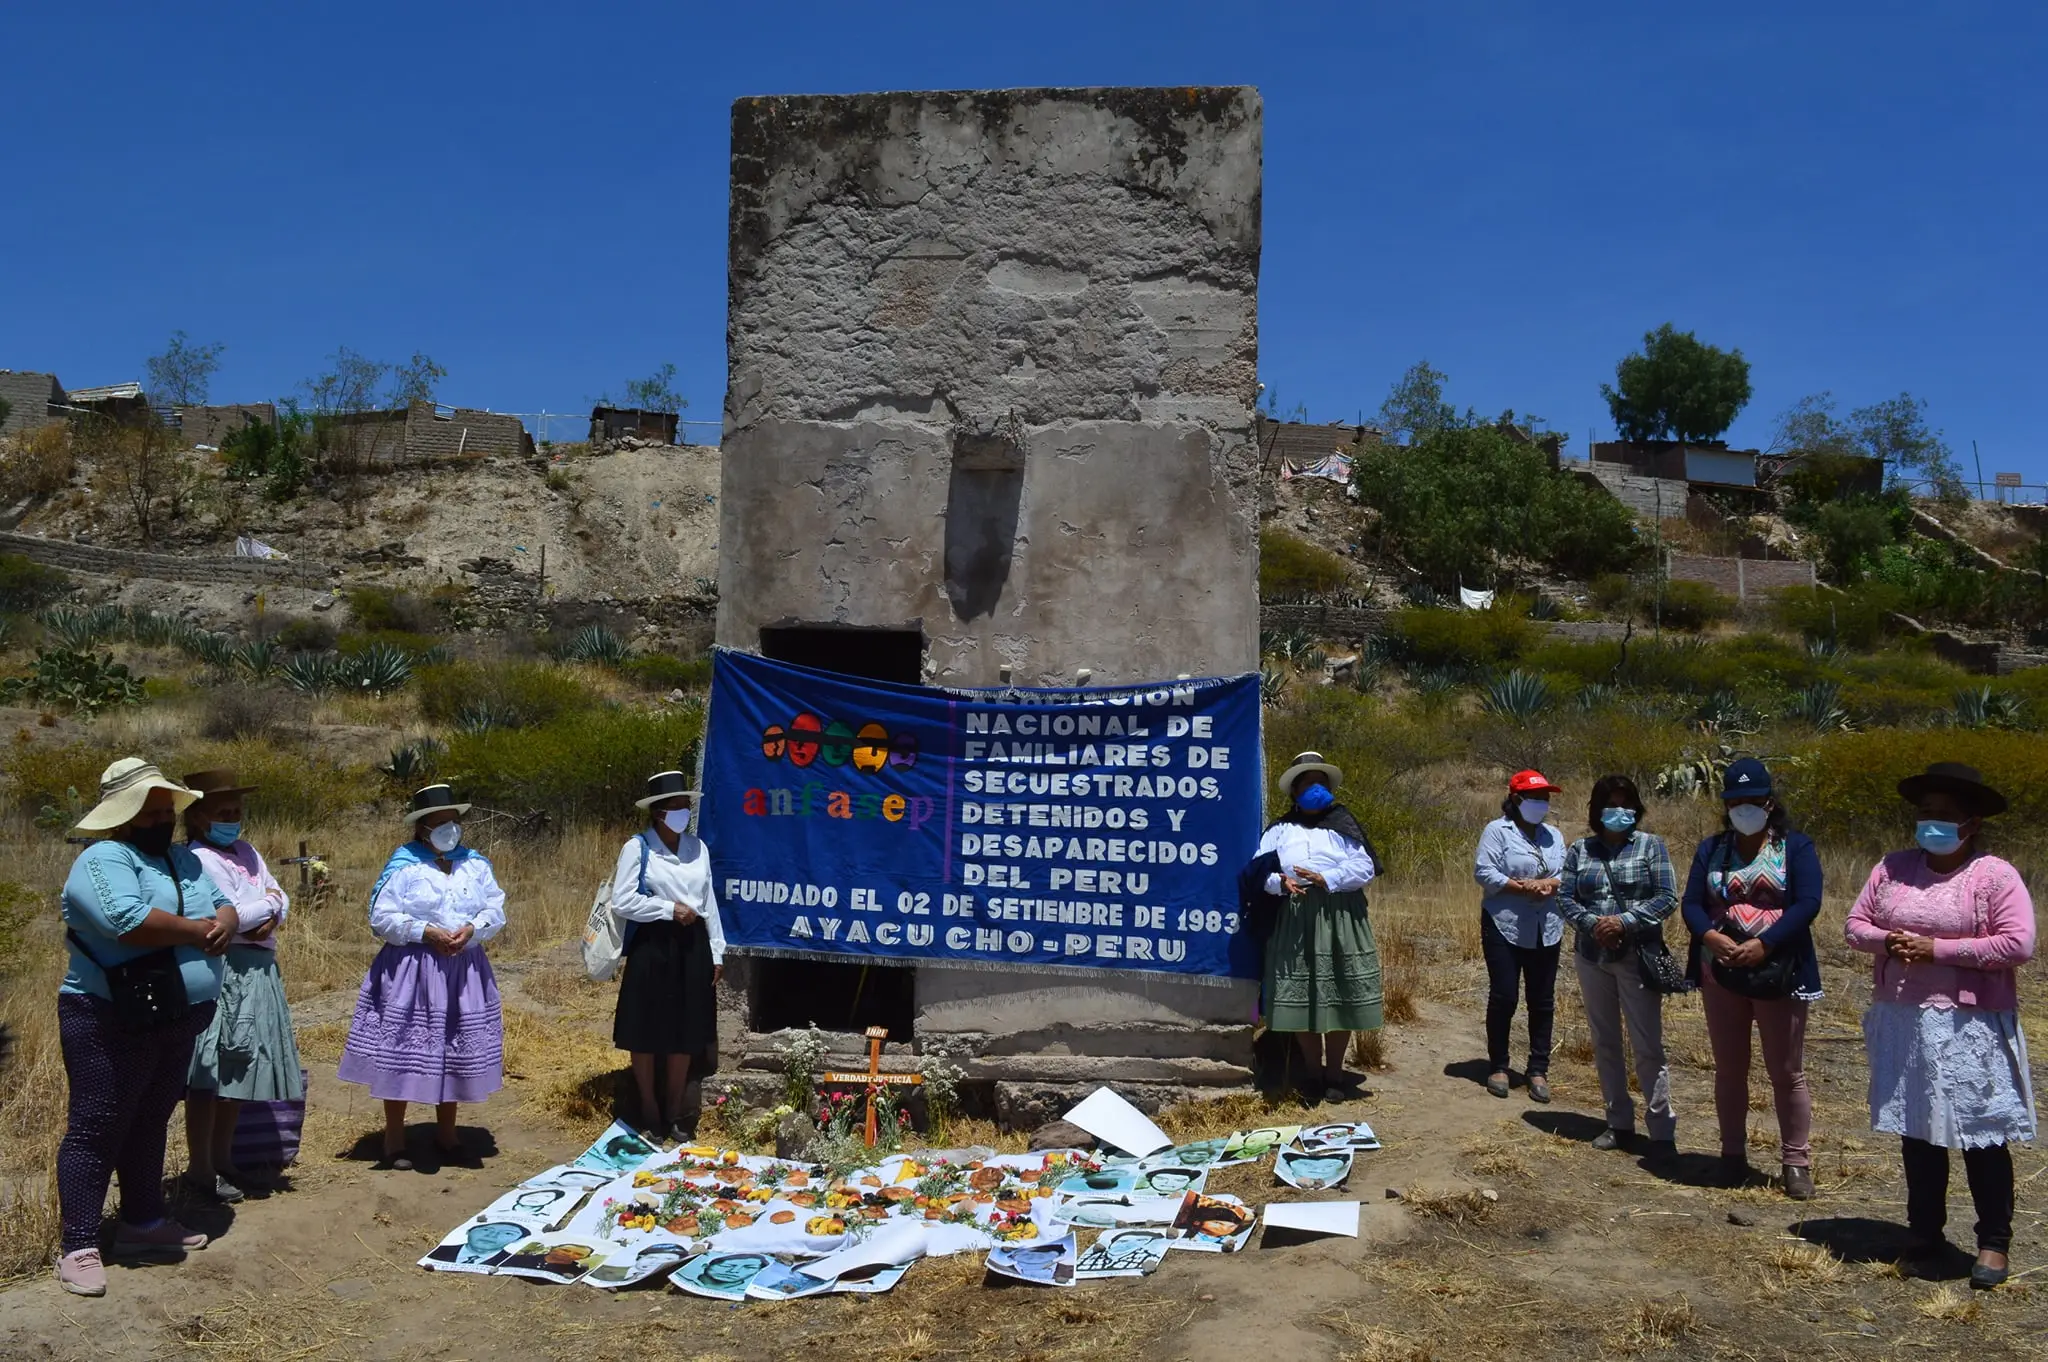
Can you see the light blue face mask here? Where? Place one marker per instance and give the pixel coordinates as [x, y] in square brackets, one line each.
[1617, 820]
[1315, 798]
[223, 835]
[1937, 838]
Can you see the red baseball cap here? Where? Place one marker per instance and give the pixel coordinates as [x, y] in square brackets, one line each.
[1531, 782]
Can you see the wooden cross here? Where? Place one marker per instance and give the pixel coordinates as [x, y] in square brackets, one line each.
[874, 1078]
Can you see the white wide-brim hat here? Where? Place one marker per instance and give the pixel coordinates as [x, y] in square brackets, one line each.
[124, 788]
[1305, 762]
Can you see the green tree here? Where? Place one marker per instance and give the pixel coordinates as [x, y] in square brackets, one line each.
[415, 380]
[1894, 432]
[656, 392]
[1464, 500]
[1415, 408]
[182, 374]
[1677, 388]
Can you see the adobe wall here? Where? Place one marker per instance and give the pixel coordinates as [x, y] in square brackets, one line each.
[992, 362]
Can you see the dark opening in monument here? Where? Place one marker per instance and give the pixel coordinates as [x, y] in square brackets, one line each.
[982, 500]
[838, 997]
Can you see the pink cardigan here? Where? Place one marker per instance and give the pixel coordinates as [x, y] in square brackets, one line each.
[1981, 919]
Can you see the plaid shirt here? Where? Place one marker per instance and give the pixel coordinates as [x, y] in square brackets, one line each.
[1633, 882]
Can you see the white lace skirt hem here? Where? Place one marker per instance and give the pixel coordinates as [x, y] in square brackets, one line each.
[1956, 1077]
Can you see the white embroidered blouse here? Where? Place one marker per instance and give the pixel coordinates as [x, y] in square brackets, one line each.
[1343, 863]
[419, 896]
[239, 873]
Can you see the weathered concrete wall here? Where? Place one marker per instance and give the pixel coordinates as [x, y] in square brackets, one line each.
[28, 397]
[992, 364]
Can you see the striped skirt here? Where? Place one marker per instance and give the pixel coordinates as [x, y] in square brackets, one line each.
[247, 1051]
[427, 1028]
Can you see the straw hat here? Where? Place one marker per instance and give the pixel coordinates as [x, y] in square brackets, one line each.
[124, 787]
[1305, 762]
[666, 785]
[434, 799]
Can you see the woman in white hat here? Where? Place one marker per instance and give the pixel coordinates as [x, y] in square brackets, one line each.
[675, 955]
[427, 1026]
[247, 1053]
[146, 928]
[1322, 971]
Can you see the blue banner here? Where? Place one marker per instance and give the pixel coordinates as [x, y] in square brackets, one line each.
[1095, 829]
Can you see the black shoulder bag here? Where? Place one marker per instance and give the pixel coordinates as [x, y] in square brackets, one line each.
[1775, 978]
[148, 991]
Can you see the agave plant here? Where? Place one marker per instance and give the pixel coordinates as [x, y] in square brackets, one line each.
[378, 669]
[154, 630]
[1273, 685]
[1437, 688]
[414, 762]
[1520, 695]
[258, 658]
[79, 630]
[1821, 647]
[595, 643]
[219, 652]
[1366, 675]
[1820, 707]
[1723, 712]
[481, 716]
[1986, 708]
[312, 673]
[1598, 696]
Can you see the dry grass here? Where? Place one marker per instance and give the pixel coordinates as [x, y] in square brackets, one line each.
[1499, 1156]
[1375, 1342]
[1655, 1326]
[1950, 1305]
[1458, 1207]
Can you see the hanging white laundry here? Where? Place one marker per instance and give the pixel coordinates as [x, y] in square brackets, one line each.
[1475, 600]
[247, 546]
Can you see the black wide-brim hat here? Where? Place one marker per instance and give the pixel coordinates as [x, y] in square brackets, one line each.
[1952, 777]
[666, 785]
[434, 799]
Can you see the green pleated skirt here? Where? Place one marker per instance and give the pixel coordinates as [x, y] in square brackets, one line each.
[1322, 968]
[247, 1052]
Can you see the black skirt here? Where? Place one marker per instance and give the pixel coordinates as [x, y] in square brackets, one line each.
[667, 1004]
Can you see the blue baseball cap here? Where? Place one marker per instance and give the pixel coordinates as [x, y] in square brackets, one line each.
[1745, 778]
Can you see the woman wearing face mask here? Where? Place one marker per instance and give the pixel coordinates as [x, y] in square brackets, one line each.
[427, 1026]
[675, 956]
[1520, 928]
[146, 928]
[1322, 970]
[1616, 889]
[1950, 924]
[247, 1053]
[1750, 901]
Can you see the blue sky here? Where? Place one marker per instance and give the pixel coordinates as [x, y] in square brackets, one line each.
[1853, 194]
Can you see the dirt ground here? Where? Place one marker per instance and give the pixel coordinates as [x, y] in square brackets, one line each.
[1576, 1254]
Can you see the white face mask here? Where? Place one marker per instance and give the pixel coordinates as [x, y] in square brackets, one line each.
[445, 838]
[1534, 810]
[1748, 819]
[676, 820]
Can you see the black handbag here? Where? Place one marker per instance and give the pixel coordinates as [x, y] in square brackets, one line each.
[1659, 968]
[148, 991]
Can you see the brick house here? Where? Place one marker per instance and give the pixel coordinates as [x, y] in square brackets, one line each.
[31, 400]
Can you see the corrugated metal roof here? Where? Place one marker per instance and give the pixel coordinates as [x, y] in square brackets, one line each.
[110, 393]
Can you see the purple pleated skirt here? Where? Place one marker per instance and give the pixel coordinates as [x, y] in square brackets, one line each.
[427, 1028]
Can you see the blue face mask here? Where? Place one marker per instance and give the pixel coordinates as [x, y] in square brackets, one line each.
[1617, 820]
[1315, 798]
[223, 835]
[1937, 838]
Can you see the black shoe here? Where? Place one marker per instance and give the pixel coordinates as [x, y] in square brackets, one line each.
[1662, 1154]
[1612, 1139]
[1984, 1278]
[1734, 1171]
[1539, 1088]
[1497, 1083]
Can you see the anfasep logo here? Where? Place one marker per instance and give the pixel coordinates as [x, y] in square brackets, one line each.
[810, 738]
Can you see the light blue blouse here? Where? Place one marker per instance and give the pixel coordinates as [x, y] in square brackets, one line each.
[111, 889]
[1505, 854]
